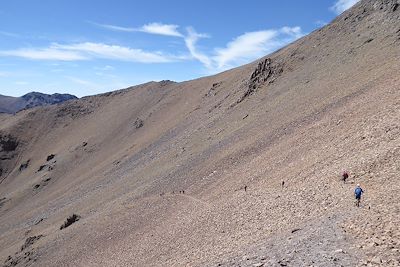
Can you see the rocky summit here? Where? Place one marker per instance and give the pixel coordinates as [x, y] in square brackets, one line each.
[242, 168]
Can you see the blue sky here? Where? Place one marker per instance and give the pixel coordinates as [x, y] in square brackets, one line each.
[87, 47]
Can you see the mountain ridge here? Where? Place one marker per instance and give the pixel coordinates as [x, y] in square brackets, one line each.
[9, 104]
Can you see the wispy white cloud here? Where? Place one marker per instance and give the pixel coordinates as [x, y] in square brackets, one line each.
[114, 27]
[191, 40]
[242, 49]
[88, 50]
[341, 5]
[294, 32]
[115, 52]
[161, 29]
[151, 28]
[245, 47]
[49, 53]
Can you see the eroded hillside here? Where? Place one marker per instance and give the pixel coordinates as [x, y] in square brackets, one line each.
[190, 174]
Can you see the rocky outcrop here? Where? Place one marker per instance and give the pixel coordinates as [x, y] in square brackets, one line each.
[8, 147]
[266, 72]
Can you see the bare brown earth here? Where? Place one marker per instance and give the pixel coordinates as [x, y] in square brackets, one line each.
[329, 101]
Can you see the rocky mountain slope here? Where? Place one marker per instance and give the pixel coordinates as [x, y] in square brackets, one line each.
[9, 104]
[191, 173]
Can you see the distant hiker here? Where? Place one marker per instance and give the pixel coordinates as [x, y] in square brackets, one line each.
[245, 188]
[357, 193]
[183, 191]
[283, 184]
[345, 175]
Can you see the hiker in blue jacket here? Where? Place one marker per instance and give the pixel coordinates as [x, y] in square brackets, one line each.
[357, 193]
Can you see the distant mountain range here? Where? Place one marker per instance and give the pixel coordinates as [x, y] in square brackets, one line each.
[9, 104]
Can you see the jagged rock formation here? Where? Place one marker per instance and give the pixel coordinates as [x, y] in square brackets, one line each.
[265, 73]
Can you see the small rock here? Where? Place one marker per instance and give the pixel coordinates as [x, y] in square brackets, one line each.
[50, 157]
[138, 123]
[258, 264]
[376, 260]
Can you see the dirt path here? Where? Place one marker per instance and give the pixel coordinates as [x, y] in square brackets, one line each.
[197, 200]
[318, 243]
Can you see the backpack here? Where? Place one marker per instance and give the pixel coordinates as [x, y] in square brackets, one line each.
[358, 191]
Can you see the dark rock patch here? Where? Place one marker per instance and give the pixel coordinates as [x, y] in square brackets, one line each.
[10, 261]
[50, 157]
[295, 230]
[395, 7]
[368, 40]
[75, 110]
[166, 82]
[24, 165]
[3, 200]
[39, 221]
[30, 241]
[212, 91]
[138, 123]
[25, 256]
[20, 258]
[8, 143]
[41, 168]
[42, 183]
[70, 220]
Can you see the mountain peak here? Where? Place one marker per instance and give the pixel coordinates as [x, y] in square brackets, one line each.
[30, 100]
